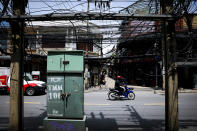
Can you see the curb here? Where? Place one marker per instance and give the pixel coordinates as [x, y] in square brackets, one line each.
[141, 88]
[179, 91]
[93, 89]
[136, 88]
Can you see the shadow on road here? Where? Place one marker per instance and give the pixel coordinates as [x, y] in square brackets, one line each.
[131, 122]
[34, 123]
[30, 123]
[144, 124]
[4, 123]
[120, 99]
[102, 124]
[127, 120]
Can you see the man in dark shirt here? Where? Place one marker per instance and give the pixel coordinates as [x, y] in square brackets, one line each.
[119, 85]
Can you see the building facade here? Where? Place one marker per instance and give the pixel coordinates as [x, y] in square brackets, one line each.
[142, 51]
[41, 37]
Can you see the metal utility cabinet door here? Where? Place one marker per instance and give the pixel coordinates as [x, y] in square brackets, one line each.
[70, 61]
[65, 96]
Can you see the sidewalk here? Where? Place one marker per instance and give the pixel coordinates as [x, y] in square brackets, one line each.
[111, 82]
[162, 92]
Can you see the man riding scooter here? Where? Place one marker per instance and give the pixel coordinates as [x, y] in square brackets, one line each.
[120, 85]
[121, 90]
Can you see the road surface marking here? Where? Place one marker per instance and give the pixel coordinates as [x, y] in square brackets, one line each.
[32, 102]
[27, 102]
[89, 104]
[155, 104]
[130, 129]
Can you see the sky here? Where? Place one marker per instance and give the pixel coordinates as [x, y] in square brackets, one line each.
[63, 6]
[38, 7]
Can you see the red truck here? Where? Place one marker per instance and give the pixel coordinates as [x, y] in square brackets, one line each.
[30, 86]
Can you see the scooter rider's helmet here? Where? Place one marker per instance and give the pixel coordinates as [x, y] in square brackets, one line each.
[118, 77]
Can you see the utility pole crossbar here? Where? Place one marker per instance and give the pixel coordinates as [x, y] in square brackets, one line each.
[89, 16]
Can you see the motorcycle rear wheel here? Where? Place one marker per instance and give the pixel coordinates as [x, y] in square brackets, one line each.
[131, 96]
[112, 95]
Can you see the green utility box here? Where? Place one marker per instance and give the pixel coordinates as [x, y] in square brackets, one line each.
[65, 98]
[65, 61]
[65, 92]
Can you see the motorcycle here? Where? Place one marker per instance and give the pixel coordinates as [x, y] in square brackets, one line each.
[115, 94]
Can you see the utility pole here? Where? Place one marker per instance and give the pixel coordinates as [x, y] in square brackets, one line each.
[171, 77]
[16, 68]
[87, 44]
[163, 47]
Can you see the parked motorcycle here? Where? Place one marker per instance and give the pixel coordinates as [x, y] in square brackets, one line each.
[128, 93]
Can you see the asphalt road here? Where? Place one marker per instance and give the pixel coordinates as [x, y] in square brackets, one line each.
[34, 112]
[146, 112]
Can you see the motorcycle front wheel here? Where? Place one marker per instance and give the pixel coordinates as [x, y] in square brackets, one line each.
[112, 95]
[131, 96]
